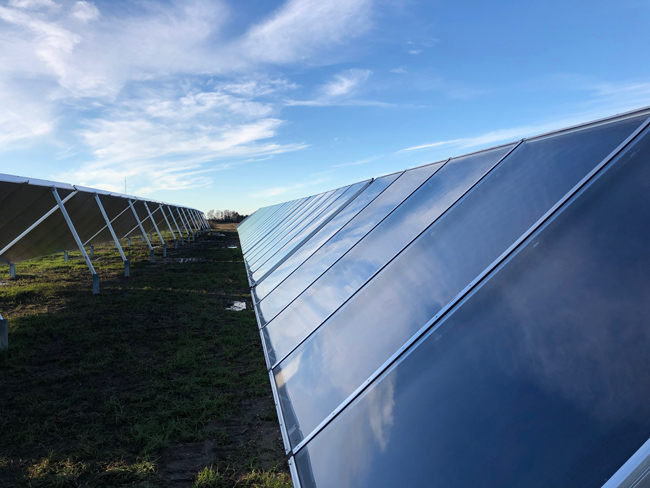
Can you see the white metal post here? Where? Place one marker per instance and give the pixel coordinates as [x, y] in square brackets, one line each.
[188, 228]
[12, 270]
[162, 211]
[155, 226]
[200, 219]
[189, 220]
[189, 223]
[180, 217]
[193, 221]
[171, 212]
[35, 224]
[127, 265]
[144, 234]
[77, 240]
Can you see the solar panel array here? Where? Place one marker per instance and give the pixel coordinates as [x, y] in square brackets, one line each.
[479, 321]
[39, 218]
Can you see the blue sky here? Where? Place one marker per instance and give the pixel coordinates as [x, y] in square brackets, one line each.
[241, 104]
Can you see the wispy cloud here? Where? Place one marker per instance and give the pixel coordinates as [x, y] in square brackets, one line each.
[187, 101]
[302, 28]
[340, 90]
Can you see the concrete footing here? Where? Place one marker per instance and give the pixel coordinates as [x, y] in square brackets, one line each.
[65, 256]
[127, 268]
[12, 270]
[164, 250]
[92, 252]
[153, 257]
[4, 334]
[95, 284]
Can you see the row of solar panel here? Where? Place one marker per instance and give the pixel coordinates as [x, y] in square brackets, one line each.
[480, 321]
[32, 223]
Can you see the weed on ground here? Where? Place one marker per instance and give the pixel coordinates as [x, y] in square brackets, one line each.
[152, 383]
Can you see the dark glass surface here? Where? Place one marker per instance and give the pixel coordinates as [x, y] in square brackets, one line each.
[333, 206]
[276, 226]
[343, 279]
[541, 378]
[272, 227]
[307, 218]
[376, 322]
[267, 226]
[246, 233]
[348, 213]
[281, 230]
[343, 240]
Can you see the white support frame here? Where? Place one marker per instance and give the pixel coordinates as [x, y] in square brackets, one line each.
[187, 230]
[102, 229]
[35, 224]
[188, 226]
[144, 234]
[171, 212]
[153, 221]
[127, 264]
[162, 211]
[80, 245]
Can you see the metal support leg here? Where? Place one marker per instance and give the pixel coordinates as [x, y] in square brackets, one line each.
[65, 256]
[92, 252]
[171, 212]
[155, 226]
[78, 241]
[127, 267]
[4, 334]
[189, 225]
[128, 240]
[144, 234]
[184, 221]
[162, 211]
[12, 270]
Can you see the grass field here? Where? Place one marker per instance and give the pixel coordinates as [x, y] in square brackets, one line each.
[151, 383]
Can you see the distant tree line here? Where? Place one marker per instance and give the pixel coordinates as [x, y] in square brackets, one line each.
[223, 216]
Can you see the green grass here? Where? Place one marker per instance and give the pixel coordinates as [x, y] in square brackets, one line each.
[147, 383]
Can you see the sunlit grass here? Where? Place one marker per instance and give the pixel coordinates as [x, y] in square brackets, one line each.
[97, 388]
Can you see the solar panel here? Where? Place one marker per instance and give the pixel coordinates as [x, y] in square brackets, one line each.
[41, 217]
[476, 322]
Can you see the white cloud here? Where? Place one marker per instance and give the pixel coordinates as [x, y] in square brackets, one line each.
[338, 90]
[159, 88]
[301, 28]
[346, 82]
[85, 11]
[415, 51]
[32, 4]
[399, 70]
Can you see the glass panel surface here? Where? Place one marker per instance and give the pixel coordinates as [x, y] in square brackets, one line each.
[376, 322]
[277, 221]
[279, 218]
[342, 241]
[304, 213]
[348, 213]
[313, 217]
[297, 240]
[343, 279]
[257, 219]
[280, 225]
[539, 379]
